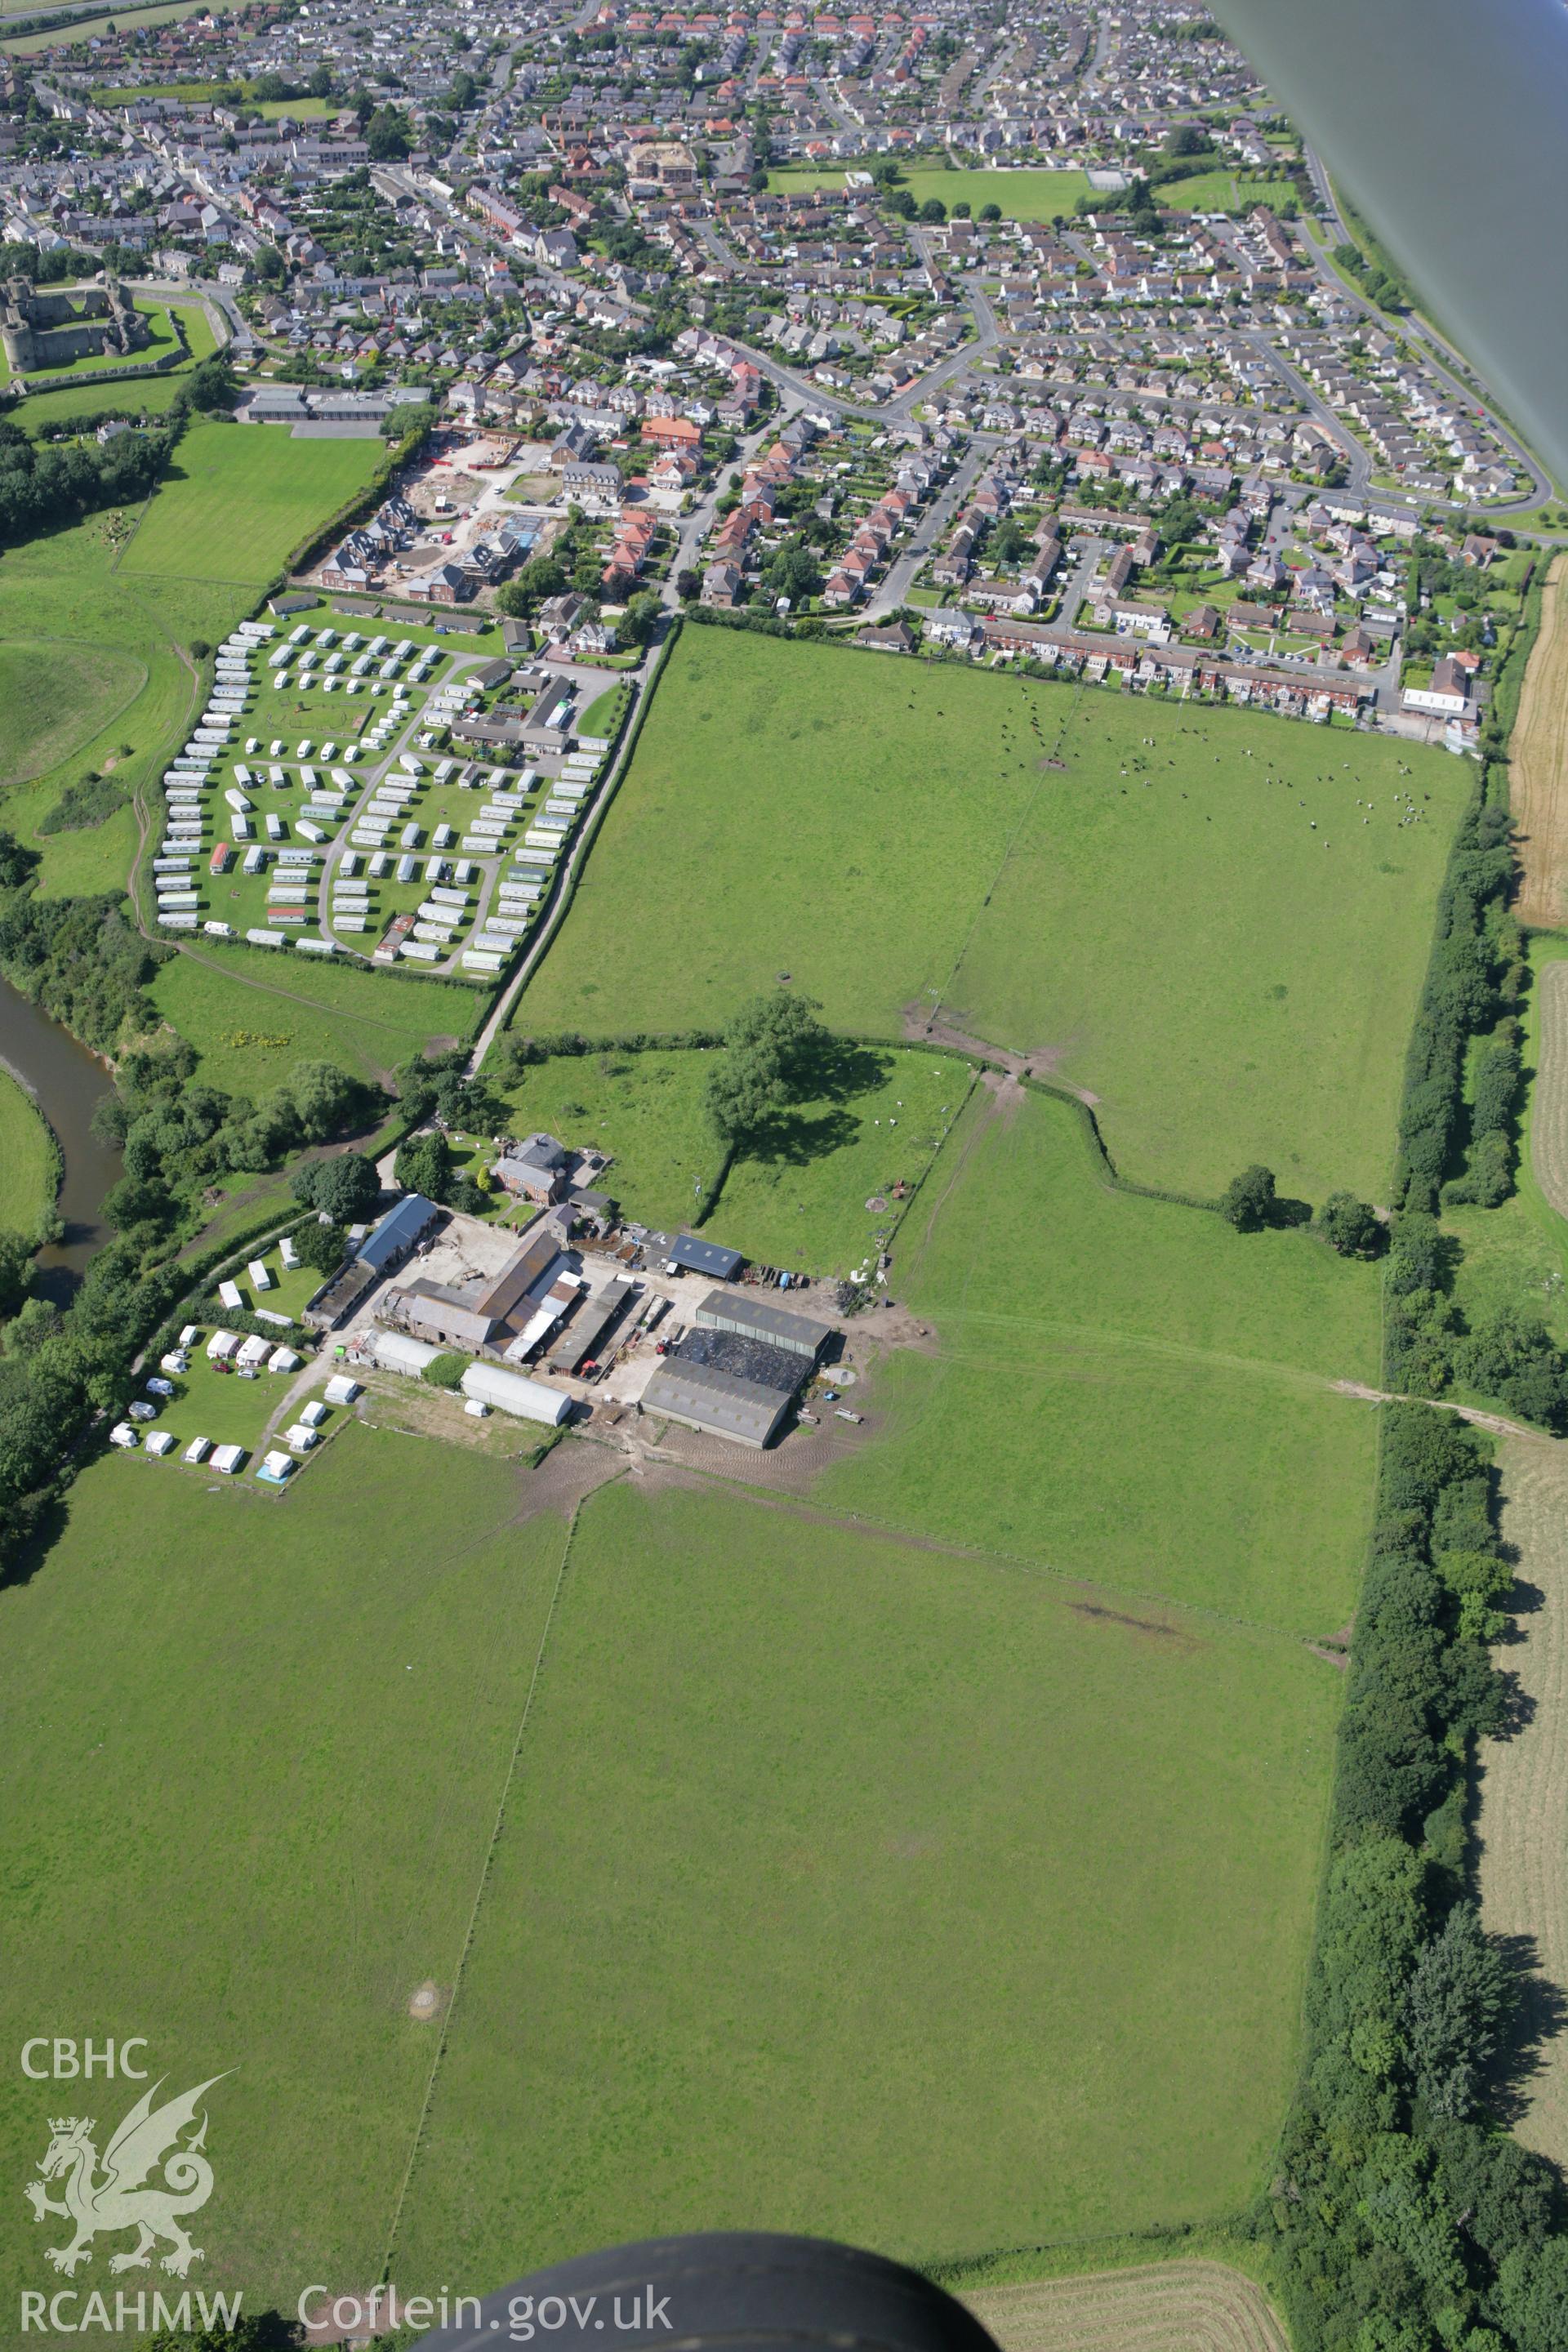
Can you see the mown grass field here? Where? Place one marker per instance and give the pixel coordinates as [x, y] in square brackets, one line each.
[827, 1858]
[1209, 933]
[1027, 195]
[1123, 1390]
[252, 1015]
[151, 395]
[1222, 192]
[90, 28]
[237, 499]
[279, 1738]
[26, 1159]
[796, 1196]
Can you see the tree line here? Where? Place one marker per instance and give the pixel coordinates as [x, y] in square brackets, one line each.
[1401, 2215]
[43, 483]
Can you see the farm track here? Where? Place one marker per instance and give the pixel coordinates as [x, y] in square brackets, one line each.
[1198, 2306]
[1537, 762]
[1524, 1789]
[1548, 1111]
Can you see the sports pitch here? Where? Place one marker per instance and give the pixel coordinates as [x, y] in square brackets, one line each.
[1210, 933]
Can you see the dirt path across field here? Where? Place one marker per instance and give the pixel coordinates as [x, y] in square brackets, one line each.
[1496, 1422]
[1549, 1108]
[923, 1027]
[1523, 1813]
[1537, 762]
[1197, 2306]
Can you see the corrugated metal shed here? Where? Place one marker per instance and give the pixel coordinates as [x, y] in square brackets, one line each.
[738, 1310]
[695, 1255]
[588, 1326]
[515, 1393]
[396, 1235]
[397, 1352]
[701, 1397]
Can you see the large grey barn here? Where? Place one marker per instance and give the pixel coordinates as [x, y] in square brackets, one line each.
[738, 1369]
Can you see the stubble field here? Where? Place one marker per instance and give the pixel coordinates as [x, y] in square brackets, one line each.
[1524, 1779]
[1537, 762]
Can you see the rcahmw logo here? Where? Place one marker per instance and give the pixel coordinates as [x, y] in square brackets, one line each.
[152, 2175]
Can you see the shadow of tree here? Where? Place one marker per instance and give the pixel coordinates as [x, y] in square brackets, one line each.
[795, 1138]
[1541, 2017]
[838, 1069]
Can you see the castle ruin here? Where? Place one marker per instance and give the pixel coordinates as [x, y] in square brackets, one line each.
[40, 330]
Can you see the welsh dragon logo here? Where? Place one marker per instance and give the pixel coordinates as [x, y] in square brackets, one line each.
[147, 2141]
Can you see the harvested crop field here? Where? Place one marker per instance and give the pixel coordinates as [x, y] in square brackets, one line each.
[1549, 1112]
[1168, 2307]
[1539, 762]
[1524, 1784]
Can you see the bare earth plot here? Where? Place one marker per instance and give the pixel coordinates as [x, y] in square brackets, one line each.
[1549, 1113]
[1524, 1783]
[1537, 763]
[1168, 2307]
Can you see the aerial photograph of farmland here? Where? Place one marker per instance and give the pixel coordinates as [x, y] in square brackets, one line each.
[783, 1179]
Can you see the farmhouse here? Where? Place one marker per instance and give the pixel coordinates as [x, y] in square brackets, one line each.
[533, 1168]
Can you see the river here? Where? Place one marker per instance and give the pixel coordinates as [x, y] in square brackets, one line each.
[67, 1085]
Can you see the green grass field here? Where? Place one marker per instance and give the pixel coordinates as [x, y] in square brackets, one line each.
[604, 715]
[27, 1168]
[92, 28]
[1164, 926]
[829, 1859]
[252, 1015]
[1222, 192]
[61, 591]
[796, 1197]
[151, 395]
[237, 500]
[284, 1744]
[1123, 1390]
[54, 696]
[1517, 1253]
[1027, 196]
